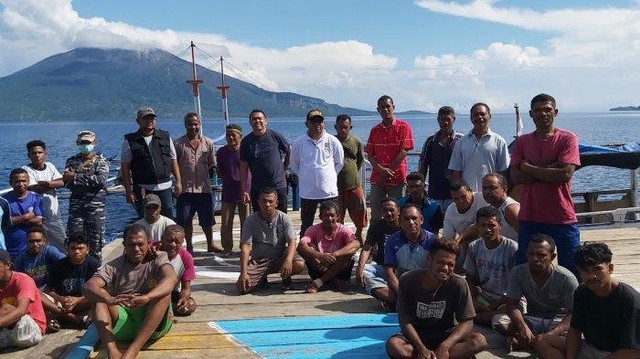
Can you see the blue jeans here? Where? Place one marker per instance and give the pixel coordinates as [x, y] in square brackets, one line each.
[566, 236]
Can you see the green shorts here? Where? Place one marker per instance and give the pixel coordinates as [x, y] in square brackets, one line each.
[130, 321]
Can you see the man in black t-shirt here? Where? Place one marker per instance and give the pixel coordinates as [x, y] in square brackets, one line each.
[435, 311]
[66, 280]
[605, 312]
[371, 275]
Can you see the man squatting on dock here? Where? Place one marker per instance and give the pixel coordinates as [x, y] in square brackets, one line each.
[436, 307]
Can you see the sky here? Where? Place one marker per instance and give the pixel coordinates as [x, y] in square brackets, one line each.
[423, 53]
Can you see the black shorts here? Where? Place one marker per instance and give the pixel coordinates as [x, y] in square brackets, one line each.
[188, 204]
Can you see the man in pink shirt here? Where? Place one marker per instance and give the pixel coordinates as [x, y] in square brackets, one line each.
[543, 162]
[182, 262]
[327, 249]
[22, 318]
[387, 148]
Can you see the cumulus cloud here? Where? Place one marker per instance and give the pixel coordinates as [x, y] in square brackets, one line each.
[587, 50]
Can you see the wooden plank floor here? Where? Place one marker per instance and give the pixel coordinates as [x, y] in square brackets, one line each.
[214, 291]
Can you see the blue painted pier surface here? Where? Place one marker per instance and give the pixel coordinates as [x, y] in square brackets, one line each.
[335, 336]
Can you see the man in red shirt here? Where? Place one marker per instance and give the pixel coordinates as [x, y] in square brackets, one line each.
[22, 319]
[387, 148]
[543, 162]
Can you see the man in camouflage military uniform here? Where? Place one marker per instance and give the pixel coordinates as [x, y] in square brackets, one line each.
[86, 176]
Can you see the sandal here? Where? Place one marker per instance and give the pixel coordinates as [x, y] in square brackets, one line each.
[53, 326]
[86, 321]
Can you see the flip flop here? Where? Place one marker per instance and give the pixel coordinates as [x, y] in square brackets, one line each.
[53, 326]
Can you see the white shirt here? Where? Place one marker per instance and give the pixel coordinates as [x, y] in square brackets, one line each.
[50, 208]
[317, 164]
[156, 229]
[457, 223]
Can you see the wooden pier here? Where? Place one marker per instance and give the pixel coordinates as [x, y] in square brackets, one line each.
[327, 320]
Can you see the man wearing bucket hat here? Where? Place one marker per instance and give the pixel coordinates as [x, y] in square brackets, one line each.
[85, 175]
[148, 159]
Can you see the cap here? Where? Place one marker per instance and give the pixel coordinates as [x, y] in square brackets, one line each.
[86, 136]
[314, 113]
[5, 256]
[152, 199]
[145, 111]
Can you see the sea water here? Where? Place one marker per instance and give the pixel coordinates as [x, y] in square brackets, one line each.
[591, 128]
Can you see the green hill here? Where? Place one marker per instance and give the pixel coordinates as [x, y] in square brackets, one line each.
[98, 84]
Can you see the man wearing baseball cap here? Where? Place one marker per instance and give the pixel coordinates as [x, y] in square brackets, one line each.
[148, 159]
[22, 318]
[85, 174]
[316, 157]
[153, 220]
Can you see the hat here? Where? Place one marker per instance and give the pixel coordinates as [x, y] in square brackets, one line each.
[5, 256]
[152, 199]
[86, 136]
[145, 111]
[314, 113]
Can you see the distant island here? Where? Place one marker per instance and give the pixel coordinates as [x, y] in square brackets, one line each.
[625, 108]
[100, 84]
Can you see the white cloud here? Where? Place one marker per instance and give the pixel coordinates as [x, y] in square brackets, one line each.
[589, 61]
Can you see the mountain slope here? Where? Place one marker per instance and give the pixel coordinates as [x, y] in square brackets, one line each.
[89, 83]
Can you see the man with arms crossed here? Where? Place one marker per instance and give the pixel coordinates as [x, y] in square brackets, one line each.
[267, 245]
[387, 148]
[132, 295]
[544, 161]
[548, 289]
[265, 153]
[605, 311]
[435, 157]
[435, 311]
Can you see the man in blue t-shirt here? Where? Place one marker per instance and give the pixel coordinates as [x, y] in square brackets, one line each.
[404, 250]
[265, 153]
[66, 279]
[26, 211]
[432, 217]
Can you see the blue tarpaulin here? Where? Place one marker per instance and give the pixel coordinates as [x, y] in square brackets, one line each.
[625, 156]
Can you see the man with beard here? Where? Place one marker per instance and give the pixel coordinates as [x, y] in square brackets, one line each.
[435, 311]
[606, 312]
[548, 289]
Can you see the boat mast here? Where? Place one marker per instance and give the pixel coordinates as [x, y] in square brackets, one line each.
[223, 92]
[195, 83]
[519, 125]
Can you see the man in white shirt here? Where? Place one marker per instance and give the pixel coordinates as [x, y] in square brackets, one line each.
[153, 221]
[316, 158]
[44, 178]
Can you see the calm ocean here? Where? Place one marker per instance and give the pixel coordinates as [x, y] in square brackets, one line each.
[592, 128]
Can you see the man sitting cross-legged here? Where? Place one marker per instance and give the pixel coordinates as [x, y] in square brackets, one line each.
[132, 295]
[328, 248]
[435, 311]
[404, 251]
[267, 245]
[371, 275]
[66, 279]
[605, 320]
[182, 262]
[489, 260]
[548, 289]
[22, 319]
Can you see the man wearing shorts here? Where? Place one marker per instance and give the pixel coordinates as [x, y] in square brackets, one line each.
[22, 318]
[548, 289]
[350, 194]
[196, 156]
[132, 295]
[435, 311]
[604, 322]
[267, 245]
